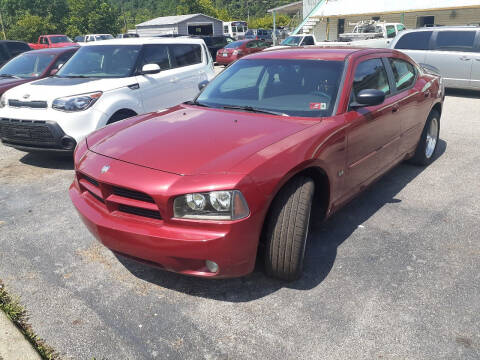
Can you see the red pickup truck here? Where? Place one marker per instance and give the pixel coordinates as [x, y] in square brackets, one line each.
[52, 41]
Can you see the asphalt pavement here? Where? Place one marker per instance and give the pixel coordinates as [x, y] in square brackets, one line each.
[394, 275]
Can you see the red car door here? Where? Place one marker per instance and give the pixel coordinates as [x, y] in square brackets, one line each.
[373, 132]
[415, 100]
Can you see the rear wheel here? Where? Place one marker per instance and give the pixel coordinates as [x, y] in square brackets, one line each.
[427, 146]
[287, 229]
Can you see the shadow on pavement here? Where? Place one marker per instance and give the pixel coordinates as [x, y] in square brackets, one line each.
[472, 94]
[49, 160]
[324, 239]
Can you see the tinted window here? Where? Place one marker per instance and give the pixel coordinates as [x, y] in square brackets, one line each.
[62, 59]
[455, 40]
[17, 48]
[3, 55]
[186, 54]
[252, 44]
[157, 54]
[371, 74]
[308, 41]
[294, 87]
[404, 73]
[234, 45]
[415, 41]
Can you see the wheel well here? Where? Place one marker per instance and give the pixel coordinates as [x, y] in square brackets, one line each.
[321, 197]
[120, 115]
[438, 108]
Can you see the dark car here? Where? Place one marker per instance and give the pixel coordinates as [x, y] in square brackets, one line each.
[215, 43]
[258, 34]
[33, 65]
[9, 49]
[236, 50]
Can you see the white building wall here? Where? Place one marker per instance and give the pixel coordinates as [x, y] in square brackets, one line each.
[443, 17]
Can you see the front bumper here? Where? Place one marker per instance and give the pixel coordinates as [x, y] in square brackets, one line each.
[35, 136]
[171, 244]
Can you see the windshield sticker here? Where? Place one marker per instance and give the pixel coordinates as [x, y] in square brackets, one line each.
[318, 106]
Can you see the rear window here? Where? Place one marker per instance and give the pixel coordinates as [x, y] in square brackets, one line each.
[455, 40]
[415, 41]
[234, 45]
[187, 54]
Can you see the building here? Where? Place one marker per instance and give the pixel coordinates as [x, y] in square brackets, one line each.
[328, 18]
[193, 24]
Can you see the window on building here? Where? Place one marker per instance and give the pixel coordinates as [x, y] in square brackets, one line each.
[425, 21]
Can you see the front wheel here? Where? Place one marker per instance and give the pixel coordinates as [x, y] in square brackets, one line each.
[287, 229]
[428, 144]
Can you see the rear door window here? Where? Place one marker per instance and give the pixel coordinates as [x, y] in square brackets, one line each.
[371, 74]
[404, 73]
[186, 54]
[455, 40]
[415, 41]
[391, 31]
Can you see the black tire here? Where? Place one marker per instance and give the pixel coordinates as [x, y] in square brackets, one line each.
[287, 229]
[121, 115]
[422, 156]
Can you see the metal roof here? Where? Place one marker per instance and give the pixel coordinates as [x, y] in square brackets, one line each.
[333, 8]
[291, 8]
[169, 20]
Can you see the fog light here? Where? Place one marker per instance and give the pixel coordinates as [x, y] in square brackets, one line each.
[211, 266]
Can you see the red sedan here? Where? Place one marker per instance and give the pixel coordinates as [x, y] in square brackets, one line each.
[238, 49]
[198, 188]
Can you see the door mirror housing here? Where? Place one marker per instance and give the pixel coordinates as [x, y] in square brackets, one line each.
[53, 72]
[202, 85]
[368, 97]
[150, 69]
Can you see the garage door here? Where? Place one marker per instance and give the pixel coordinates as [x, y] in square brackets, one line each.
[203, 29]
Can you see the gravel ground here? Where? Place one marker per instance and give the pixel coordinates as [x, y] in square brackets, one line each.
[394, 275]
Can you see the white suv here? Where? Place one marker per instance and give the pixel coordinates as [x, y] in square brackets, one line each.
[103, 83]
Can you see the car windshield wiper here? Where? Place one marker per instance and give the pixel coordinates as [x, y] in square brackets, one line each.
[76, 77]
[9, 76]
[195, 103]
[253, 109]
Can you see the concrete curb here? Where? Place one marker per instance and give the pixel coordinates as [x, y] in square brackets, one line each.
[13, 345]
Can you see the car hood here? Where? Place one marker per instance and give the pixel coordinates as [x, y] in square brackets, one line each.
[189, 140]
[8, 83]
[51, 88]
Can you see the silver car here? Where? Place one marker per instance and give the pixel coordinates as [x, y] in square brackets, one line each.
[454, 51]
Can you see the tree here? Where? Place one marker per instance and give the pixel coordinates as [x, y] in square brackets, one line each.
[92, 16]
[29, 27]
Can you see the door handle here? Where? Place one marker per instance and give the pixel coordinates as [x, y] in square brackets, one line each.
[427, 94]
[174, 80]
[464, 58]
[478, 59]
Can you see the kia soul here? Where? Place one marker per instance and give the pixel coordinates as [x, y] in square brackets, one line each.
[102, 84]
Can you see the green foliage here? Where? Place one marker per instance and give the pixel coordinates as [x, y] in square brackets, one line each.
[28, 19]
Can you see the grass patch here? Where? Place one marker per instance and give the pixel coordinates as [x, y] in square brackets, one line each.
[17, 314]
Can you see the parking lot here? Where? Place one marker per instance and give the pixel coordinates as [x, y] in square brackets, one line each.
[394, 275]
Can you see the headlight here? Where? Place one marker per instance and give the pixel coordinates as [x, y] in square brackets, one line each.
[215, 205]
[3, 101]
[77, 102]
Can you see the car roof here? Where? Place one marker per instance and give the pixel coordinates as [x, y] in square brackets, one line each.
[148, 40]
[53, 51]
[443, 28]
[315, 53]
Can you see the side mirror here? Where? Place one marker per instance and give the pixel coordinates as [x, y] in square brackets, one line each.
[53, 72]
[202, 85]
[368, 97]
[150, 69]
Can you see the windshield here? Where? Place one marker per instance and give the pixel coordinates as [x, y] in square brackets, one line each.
[306, 88]
[103, 37]
[292, 41]
[103, 61]
[60, 39]
[27, 66]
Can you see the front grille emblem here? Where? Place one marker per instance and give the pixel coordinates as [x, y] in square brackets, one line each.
[105, 169]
